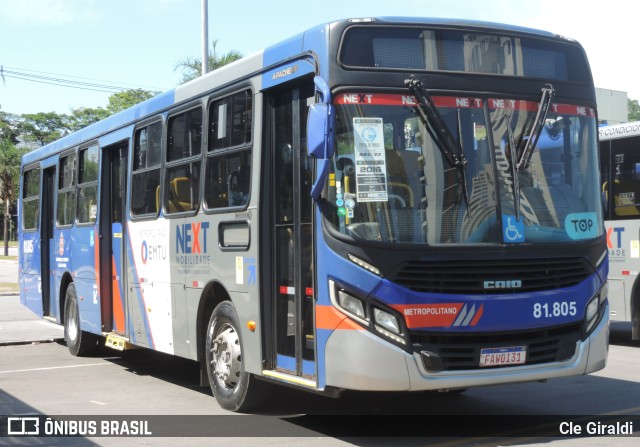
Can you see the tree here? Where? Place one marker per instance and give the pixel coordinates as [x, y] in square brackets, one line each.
[634, 109]
[191, 67]
[10, 157]
[9, 127]
[44, 127]
[123, 100]
[85, 116]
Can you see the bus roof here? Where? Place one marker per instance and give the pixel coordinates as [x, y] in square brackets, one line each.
[616, 131]
[462, 23]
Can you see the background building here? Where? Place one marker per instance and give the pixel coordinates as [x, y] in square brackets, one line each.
[612, 106]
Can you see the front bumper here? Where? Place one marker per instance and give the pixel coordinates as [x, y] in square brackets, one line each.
[359, 360]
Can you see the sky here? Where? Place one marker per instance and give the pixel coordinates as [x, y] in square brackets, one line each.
[137, 43]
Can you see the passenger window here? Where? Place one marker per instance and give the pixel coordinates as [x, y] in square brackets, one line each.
[145, 184]
[228, 166]
[66, 211]
[88, 185]
[626, 181]
[182, 180]
[30, 199]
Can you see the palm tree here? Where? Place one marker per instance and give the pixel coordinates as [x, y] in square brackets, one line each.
[191, 67]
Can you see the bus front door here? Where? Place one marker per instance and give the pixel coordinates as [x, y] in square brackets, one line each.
[291, 232]
[112, 238]
[47, 247]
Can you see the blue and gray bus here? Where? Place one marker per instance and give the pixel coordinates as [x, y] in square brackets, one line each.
[363, 206]
[620, 170]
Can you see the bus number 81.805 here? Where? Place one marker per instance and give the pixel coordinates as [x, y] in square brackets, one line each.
[556, 309]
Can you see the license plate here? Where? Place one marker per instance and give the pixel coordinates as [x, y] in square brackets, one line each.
[512, 355]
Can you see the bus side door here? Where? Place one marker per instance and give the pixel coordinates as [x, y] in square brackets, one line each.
[290, 177]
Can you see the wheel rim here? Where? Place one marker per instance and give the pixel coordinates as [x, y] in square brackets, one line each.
[72, 323]
[226, 357]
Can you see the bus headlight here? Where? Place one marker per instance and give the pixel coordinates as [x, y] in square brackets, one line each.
[388, 325]
[386, 320]
[595, 308]
[351, 304]
[592, 312]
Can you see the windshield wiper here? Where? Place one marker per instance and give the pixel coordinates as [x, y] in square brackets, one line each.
[529, 142]
[450, 148]
[536, 128]
[513, 157]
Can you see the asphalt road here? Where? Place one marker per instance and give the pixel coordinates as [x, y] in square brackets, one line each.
[38, 376]
[42, 378]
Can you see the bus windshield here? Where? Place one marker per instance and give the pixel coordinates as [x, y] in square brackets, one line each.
[391, 182]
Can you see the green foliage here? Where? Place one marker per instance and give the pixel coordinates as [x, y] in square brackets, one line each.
[44, 128]
[9, 128]
[84, 117]
[123, 100]
[191, 67]
[10, 157]
[634, 110]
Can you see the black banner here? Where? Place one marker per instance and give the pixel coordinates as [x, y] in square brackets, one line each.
[320, 425]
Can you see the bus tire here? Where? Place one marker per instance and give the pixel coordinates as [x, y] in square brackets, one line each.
[79, 342]
[233, 387]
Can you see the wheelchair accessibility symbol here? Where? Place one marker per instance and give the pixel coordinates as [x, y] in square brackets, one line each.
[512, 229]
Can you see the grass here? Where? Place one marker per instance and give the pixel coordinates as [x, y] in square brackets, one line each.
[12, 244]
[9, 287]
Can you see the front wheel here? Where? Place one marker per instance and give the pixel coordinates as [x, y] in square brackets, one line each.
[234, 388]
[80, 343]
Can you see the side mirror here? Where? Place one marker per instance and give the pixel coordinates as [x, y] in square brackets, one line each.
[320, 131]
[320, 135]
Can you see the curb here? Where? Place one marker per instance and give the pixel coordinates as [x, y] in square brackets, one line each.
[30, 342]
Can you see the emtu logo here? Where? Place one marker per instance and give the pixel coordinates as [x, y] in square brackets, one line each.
[192, 238]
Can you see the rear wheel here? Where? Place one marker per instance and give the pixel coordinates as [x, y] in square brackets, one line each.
[80, 343]
[234, 388]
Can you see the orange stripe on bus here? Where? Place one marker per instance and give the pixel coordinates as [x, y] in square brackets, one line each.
[478, 315]
[118, 308]
[328, 317]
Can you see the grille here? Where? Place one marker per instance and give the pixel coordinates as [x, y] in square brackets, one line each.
[462, 352]
[468, 277]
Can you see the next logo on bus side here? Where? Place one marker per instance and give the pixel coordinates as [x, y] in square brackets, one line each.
[615, 250]
[191, 238]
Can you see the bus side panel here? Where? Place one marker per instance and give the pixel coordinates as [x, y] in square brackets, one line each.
[82, 262]
[328, 319]
[149, 303]
[618, 299]
[623, 243]
[61, 255]
[199, 258]
[29, 271]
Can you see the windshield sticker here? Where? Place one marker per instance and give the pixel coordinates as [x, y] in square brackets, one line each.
[512, 229]
[385, 99]
[371, 164]
[532, 106]
[581, 225]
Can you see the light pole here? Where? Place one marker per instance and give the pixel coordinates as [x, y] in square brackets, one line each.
[205, 37]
